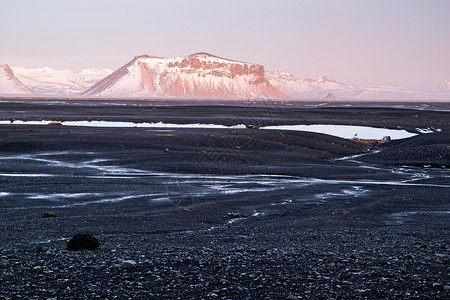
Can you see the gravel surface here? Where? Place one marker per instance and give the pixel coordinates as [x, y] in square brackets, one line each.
[216, 214]
[320, 264]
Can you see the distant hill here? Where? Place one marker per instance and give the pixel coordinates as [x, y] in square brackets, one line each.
[197, 76]
[48, 81]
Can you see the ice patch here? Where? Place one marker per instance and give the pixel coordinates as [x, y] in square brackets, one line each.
[228, 189]
[283, 202]
[25, 175]
[356, 191]
[256, 214]
[64, 196]
[161, 199]
[428, 130]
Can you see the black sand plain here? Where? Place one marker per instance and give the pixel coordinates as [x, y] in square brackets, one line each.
[224, 213]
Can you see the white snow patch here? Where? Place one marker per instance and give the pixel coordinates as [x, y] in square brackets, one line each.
[343, 131]
[348, 131]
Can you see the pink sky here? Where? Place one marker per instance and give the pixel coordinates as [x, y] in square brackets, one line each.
[404, 42]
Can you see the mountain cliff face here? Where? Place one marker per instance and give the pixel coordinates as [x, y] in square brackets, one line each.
[9, 84]
[197, 76]
[48, 81]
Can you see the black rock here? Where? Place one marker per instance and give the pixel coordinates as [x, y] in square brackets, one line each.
[41, 249]
[49, 214]
[83, 241]
[236, 215]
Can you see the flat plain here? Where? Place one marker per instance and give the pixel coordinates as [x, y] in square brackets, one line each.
[229, 213]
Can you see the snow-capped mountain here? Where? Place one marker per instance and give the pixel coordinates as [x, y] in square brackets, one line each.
[305, 88]
[443, 86]
[9, 84]
[381, 92]
[199, 76]
[49, 81]
[323, 86]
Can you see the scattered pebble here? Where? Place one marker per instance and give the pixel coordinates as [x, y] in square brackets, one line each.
[128, 264]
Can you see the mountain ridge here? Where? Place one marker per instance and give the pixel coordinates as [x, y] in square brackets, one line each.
[320, 87]
[49, 81]
[9, 84]
[200, 75]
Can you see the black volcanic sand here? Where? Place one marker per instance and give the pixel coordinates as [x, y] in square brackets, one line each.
[312, 215]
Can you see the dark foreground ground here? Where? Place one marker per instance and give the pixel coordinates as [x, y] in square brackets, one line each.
[319, 217]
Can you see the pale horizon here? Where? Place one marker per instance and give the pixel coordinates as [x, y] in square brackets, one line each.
[382, 42]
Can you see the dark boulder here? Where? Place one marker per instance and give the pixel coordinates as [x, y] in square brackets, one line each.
[83, 241]
[49, 214]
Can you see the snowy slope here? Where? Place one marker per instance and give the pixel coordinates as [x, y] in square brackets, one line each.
[55, 82]
[9, 84]
[200, 75]
[385, 92]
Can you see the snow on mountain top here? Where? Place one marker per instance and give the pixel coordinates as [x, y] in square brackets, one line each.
[207, 63]
[50, 81]
[444, 85]
[322, 80]
[211, 57]
[327, 82]
[200, 75]
[46, 70]
[201, 56]
[310, 88]
[281, 75]
[9, 84]
[95, 71]
[5, 71]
